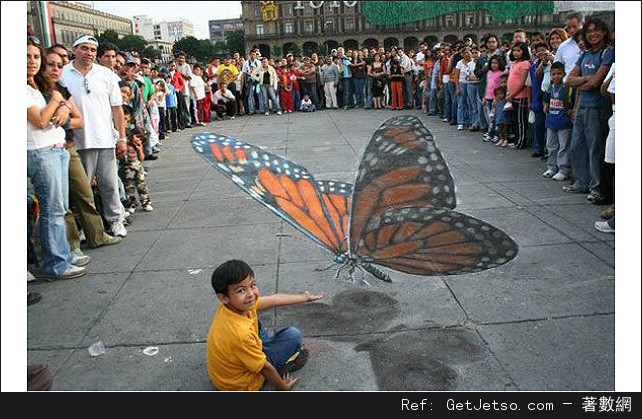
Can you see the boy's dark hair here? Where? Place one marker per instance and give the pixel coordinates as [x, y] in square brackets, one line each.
[503, 76]
[540, 45]
[500, 89]
[124, 83]
[138, 131]
[181, 53]
[558, 65]
[104, 47]
[575, 16]
[128, 110]
[230, 273]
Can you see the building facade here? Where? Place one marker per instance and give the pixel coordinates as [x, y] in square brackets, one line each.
[219, 29]
[315, 26]
[162, 31]
[65, 21]
[178, 29]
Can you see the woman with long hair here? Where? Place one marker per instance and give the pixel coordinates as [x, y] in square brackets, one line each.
[48, 168]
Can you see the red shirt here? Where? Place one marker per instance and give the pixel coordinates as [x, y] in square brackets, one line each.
[177, 81]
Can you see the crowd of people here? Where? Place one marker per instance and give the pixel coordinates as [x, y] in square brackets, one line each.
[93, 120]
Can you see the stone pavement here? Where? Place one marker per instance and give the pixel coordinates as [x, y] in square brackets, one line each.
[544, 321]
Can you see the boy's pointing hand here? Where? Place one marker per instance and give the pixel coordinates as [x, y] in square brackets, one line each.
[312, 297]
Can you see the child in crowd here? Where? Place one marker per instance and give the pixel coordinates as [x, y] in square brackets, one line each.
[159, 98]
[502, 116]
[558, 106]
[307, 105]
[171, 105]
[287, 87]
[131, 171]
[197, 86]
[493, 75]
[397, 78]
[294, 76]
[240, 353]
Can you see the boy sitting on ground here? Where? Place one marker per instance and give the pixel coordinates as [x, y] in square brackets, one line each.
[240, 353]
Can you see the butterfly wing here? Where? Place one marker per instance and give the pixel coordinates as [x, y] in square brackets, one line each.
[337, 198]
[284, 187]
[433, 241]
[401, 167]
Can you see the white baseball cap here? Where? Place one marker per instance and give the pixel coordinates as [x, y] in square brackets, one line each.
[85, 39]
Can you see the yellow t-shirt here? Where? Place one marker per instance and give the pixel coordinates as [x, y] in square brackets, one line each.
[235, 355]
[227, 73]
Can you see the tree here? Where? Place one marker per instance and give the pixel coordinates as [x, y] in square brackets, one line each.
[294, 49]
[201, 49]
[236, 42]
[152, 53]
[277, 50]
[110, 36]
[132, 43]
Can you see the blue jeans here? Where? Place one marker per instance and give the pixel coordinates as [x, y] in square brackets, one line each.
[251, 88]
[296, 99]
[282, 345]
[346, 83]
[268, 95]
[450, 105]
[492, 127]
[474, 104]
[408, 100]
[433, 102]
[49, 172]
[359, 91]
[587, 147]
[369, 102]
[462, 105]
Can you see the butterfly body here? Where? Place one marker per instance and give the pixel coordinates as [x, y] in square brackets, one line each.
[398, 214]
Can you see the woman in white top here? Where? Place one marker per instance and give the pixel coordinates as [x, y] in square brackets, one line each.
[48, 168]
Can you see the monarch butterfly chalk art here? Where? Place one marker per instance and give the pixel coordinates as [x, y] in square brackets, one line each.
[398, 214]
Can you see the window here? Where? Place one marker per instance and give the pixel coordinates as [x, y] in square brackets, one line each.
[469, 19]
[289, 27]
[450, 21]
[328, 26]
[309, 26]
[257, 10]
[287, 10]
[260, 29]
[349, 23]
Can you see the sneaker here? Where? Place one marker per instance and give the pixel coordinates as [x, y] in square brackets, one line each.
[592, 196]
[118, 229]
[71, 273]
[602, 226]
[600, 199]
[296, 361]
[130, 210]
[559, 176]
[537, 154]
[78, 258]
[548, 174]
[495, 139]
[474, 129]
[573, 189]
[606, 214]
[279, 113]
[152, 157]
[201, 124]
[148, 208]
[33, 297]
[30, 277]
[231, 117]
[460, 127]
[486, 137]
[267, 114]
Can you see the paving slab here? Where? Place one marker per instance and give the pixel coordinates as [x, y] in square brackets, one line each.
[557, 355]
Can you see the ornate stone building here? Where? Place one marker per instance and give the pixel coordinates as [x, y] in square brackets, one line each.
[318, 26]
[68, 20]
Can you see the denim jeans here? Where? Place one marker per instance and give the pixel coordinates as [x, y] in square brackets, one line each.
[346, 84]
[359, 91]
[407, 90]
[281, 346]
[492, 127]
[249, 90]
[296, 99]
[311, 90]
[268, 93]
[587, 146]
[463, 117]
[48, 169]
[433, 102]
[369, 102]
[472, 93]
[450, 105]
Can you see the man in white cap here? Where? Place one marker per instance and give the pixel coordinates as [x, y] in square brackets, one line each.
[96, 92]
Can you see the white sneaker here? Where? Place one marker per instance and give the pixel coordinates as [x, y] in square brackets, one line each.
[460, 127]
[231, 117]
[118, 229]
[548, 174]
[604, 227]
[130, 210]
[559, 176]
[148, 208]
[279, 112]
[78, 258]
[267, 114]
[30, 277]
[71, 273]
